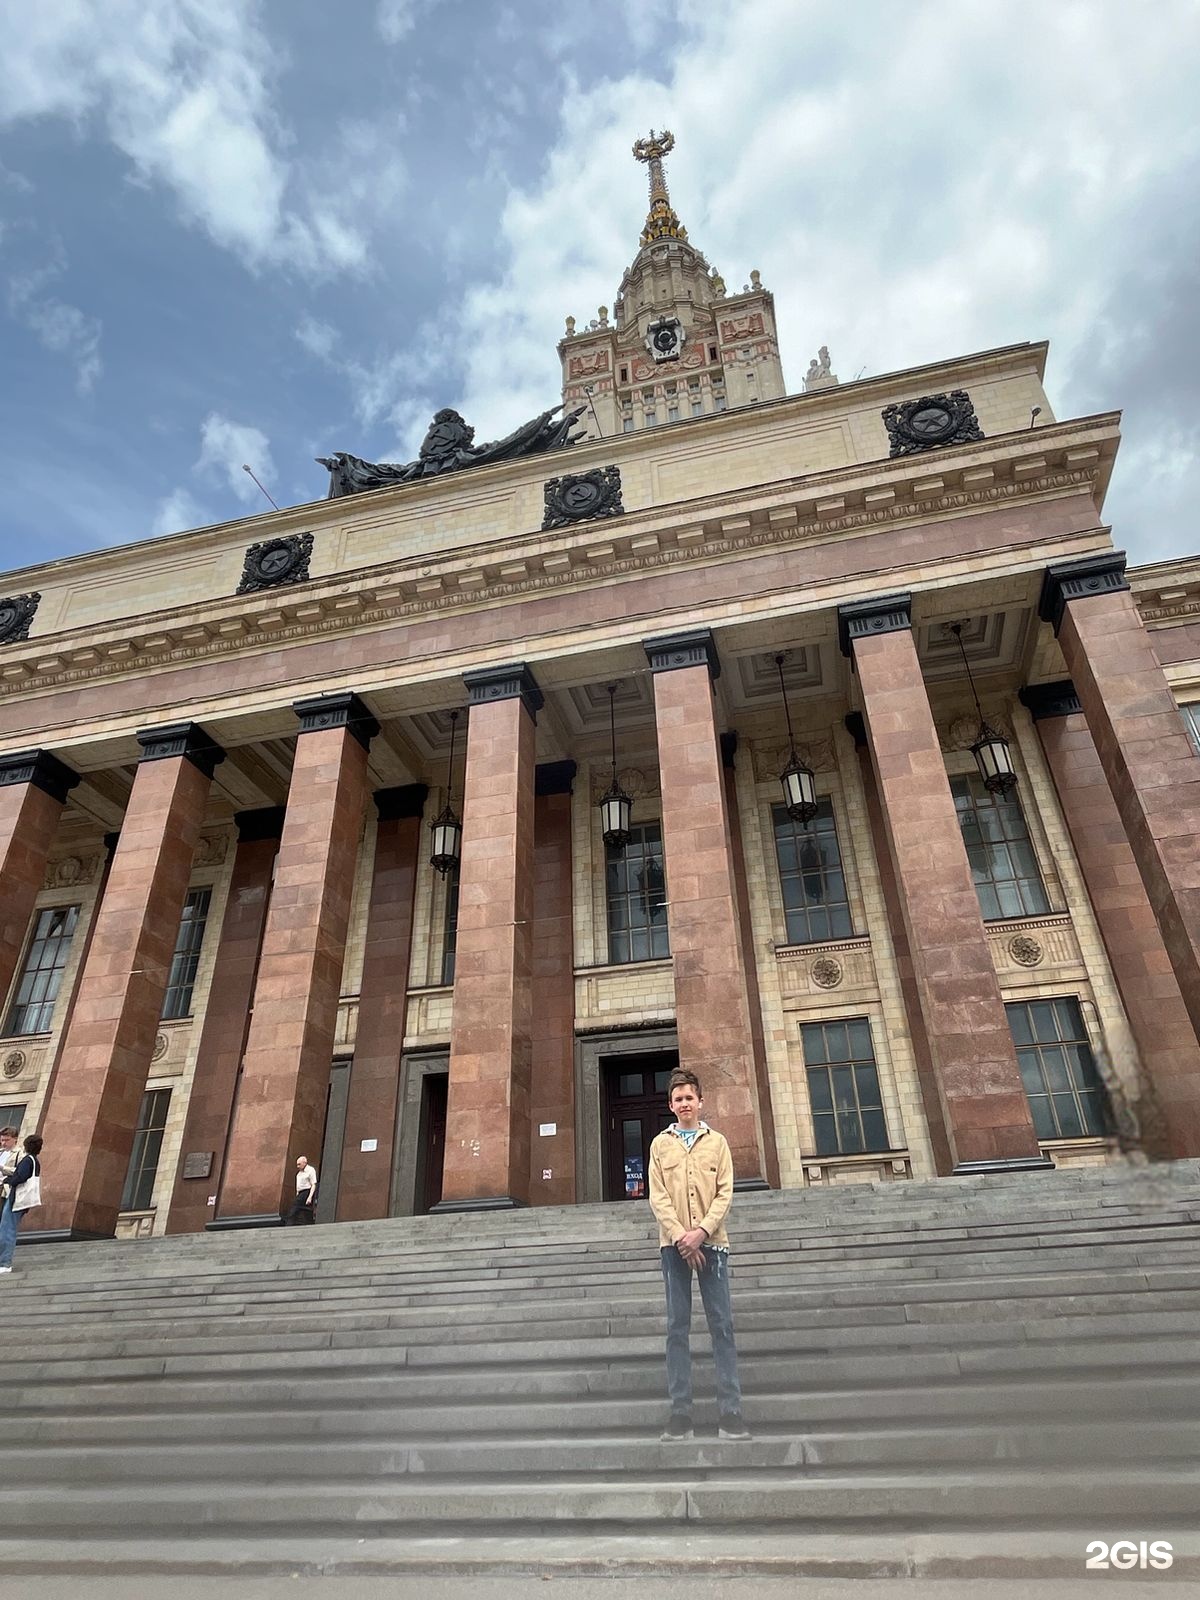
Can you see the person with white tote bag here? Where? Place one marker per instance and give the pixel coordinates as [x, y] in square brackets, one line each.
[24, 1192]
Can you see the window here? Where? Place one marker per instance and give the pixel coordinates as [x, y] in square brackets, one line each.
[1191, 721]
[811, 877]
[718, 400]
[12, 1116]
[1003, 864]
[624, 374]
[450, 935]
[673, 411]
[143, 1158]
[636, 887]
[1058, 1070]
[712, 352]
[626, 423]
[651, 416]
[843, 1087]
[182, 978]
[41, 976]
[697, 406]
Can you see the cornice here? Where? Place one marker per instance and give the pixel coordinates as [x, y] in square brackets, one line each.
[858, 499]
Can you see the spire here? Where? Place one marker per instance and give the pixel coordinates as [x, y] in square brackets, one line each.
[661, 221]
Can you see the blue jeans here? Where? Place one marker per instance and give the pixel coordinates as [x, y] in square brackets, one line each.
[714, 1294]
[10, 1221]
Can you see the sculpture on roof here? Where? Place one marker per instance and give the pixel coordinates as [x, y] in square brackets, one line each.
[448, 447]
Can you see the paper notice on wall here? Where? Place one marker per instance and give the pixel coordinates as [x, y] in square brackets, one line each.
[547, 1128]
[369, 1144]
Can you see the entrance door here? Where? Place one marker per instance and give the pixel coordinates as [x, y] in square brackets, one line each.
[434, 1092]
[635, 1109]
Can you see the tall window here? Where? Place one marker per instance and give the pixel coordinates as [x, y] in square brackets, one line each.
[143, 1158]
[1003, 864]
[1191, 721]
[450, 929]
[636, 885]
[1058, 1069]
[843, 1087]
[32, 1009]
[811, 876]
[182, 978]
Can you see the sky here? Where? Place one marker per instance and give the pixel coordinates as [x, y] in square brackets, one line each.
[262, 230]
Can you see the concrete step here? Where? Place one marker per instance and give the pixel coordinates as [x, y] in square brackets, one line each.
[921, 1501]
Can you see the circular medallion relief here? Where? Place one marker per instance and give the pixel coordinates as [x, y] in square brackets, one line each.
[8, 617]
[581, 497]
[161, 1045]
[14, 1063]
[929, 423]
[826, 972]
[1025, 951]
[277, 560]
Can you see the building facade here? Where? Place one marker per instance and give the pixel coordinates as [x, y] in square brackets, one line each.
[223, 941]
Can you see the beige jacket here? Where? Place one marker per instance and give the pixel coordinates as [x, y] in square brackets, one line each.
[691, 1188]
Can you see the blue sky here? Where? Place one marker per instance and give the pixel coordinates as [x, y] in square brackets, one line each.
[260, 230]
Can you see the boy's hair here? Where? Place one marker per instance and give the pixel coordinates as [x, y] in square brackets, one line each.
[33, 1145]
[11, 1132]
[681, 1078]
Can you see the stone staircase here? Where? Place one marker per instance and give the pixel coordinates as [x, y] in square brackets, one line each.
[965, 1378]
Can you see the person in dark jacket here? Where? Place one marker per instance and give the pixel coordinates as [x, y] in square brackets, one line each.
[19, 1199]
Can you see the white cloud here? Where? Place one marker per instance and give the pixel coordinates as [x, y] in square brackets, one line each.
[182, 89]
[180, 510]
[913, 185]
[396, 19]
[61, 327]
[226, 447]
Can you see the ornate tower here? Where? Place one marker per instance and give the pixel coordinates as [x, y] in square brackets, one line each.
[679, 345]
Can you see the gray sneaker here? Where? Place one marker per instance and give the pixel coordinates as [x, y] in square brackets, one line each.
[731, 1426]
[679, 1426]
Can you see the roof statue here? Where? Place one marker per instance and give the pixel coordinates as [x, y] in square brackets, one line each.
[661, 221]
[819, 375]
[448, 447]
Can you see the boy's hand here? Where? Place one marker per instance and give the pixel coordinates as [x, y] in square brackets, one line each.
[689, 1247]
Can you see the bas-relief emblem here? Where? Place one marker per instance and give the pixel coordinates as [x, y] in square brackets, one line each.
[210, 851]
[1024, 950]
[275, 562]
[637, 783]
[16, 613]
[70, 870]
[585, 366]
[770, 760]
[14, 1064]
[742, 327]
[930, 422]
[582, 497]
[161, 1045]
[826, 972]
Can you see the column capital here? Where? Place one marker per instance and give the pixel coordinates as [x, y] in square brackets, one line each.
[38, 767]
[265, 823]
[511, 682]
[887, 613]
[672, 650]
[1044, 700]
[1079, 580]
[407, 800]
[341, 710]
[554, 777]
[187, 739]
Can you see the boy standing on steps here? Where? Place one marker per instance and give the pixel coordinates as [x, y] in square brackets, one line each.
[691, 1185]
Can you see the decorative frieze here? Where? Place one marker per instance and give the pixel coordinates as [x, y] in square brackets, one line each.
[275, 562]
[770, 759]
[931, 422]
[582, 497]
[806, 971]
[16, 613]
[512, 682]
[1048, 945]
[860, 619]
[344, 710]
[672, 651]
[68, 872]
[187, 739]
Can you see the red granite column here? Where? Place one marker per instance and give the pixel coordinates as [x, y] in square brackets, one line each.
[226, 1022]
[1157, 1016]
[373, 1103]
[984, 1105]
[283, 1094]
[1148, 760]
[712, 1004]
[552, 1056]
[33, 789]
[488, 1106]
[91, 1119]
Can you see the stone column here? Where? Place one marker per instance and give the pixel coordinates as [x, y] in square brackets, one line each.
[281, 1102]
[33, 789]
[712, 1003]
[552, 1054]
[373, 1105]
[1148, 760]
[91, 1119]
[985, 1110]
[1158, 1017]
[487, 1113]
[226, 1022]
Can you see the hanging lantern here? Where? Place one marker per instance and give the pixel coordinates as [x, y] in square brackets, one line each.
[991, 749]
[446, 827]
[616, 807]
[797, 779]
